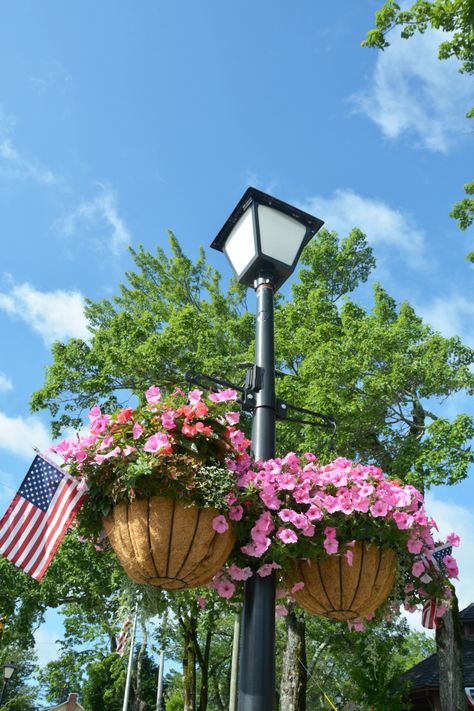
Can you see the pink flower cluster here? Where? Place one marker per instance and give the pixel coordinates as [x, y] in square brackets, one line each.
[296, 508]
[157, 428]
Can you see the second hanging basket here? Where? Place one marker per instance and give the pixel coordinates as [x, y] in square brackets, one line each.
[339, 591]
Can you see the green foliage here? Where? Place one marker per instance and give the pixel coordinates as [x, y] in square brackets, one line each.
[463, 211]
[19, 694]
[172, 317]
[454, 16]
[104, 688]
[366, 666]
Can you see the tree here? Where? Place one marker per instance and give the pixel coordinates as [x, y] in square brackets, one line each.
[451, 16]
[381, 372]
[20, 694]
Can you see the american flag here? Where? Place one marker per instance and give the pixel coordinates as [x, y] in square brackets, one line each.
[123, 636]
[428, 616]
[39, 516]
[439, 553]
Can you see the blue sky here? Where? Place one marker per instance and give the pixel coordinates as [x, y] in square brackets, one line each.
[119, 120]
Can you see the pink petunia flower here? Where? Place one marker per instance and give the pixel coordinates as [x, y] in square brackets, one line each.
[451, 566]
[287, 535]
[453, 539]
[220, 524]
[415, 545]
[380, 508]
[239, 573]
[236, 513]
[232, 418]
[223, 395]
[281, 611]
[230, 498]
[156, 443]
[418, 568]
[225, 588]
[137, 430]
[296, 587]
[153, 395]
[331, 545]
[167, 419]
[194, 396]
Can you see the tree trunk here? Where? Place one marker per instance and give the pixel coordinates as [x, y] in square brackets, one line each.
[137, 703]
[204, 667]
[450, 661]
[293, 673]
[189, 673]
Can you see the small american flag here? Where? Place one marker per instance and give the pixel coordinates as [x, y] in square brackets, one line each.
[123, 636]
[439, 553]
[428, 616]
[39, 516]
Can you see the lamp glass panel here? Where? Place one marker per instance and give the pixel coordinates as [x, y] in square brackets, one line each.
[8, 670]
[280, 235]
[240, 244]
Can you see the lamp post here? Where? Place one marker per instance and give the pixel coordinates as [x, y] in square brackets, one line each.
[8, 670]
[263, 239]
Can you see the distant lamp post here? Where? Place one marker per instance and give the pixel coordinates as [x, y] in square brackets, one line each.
[8, 670]
[263, 239]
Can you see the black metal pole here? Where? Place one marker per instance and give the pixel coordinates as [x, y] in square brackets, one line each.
[257, 649]
[2, 692]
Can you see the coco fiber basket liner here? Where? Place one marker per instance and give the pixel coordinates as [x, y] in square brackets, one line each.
[340, 591]
[168, 543]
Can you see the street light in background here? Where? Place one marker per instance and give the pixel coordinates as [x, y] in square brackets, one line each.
[8, 670]
[263, 239]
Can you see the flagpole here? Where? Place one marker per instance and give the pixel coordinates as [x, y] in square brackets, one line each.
[130, 660]
[159, 692]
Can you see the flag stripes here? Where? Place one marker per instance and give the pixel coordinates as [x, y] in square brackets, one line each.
[123, 636]
[38, 517]
[428, 616]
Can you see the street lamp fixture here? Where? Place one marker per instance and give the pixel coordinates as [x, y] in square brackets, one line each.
[8, 670]
[263, 239]
[265, 236]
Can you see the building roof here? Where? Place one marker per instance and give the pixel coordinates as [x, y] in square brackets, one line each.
[467, 615]
[425, 675]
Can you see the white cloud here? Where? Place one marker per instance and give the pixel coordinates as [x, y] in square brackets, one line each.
[15, 165]
[55, 315]
[451, 315]
[19, 435]
[99, 219]
[5, 383]
[383, 225]
[413, 92]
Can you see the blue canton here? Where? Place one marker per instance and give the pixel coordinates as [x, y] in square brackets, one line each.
[440, 554]
[40, 484]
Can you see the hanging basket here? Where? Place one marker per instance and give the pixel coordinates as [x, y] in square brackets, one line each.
[340, 591]
[168, 543]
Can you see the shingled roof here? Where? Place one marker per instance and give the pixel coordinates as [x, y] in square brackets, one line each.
[425, 675]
